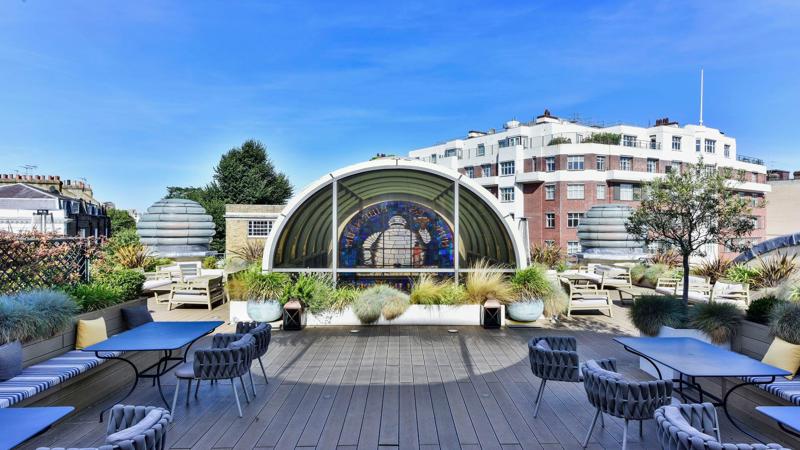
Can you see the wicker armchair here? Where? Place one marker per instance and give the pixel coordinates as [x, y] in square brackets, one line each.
[134, 428]
[553, 358]
[695, 427]
[611, 393]
[232, 361]
[263, 334]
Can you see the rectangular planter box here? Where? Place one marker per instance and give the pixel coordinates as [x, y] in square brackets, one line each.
[675, 332]
[752, 339]
[415, 315]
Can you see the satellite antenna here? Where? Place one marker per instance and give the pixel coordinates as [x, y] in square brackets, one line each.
[29, 168]
[701, 97]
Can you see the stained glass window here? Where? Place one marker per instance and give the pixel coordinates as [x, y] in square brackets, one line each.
[396, 234]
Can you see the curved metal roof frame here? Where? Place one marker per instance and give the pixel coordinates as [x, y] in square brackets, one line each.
[473, 190]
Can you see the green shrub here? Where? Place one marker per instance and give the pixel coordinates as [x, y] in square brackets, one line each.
[344, 296]
[546, 254]
[123, 238]
[559, 140]
[669, 258]
[369, 304]
[34, 315]
[713, 269]
[427, 290]
[253, 284]
[556, 300]
[531, 282]
[742, 274]
[210, 262]
[153, 263]
[770, 272]
[648, 276]
[94, 296]
[785, 322]
[453, 294]
[485, 281]
[637, 273]
[718, 320]
[127, 281]
[650, 312]
[394, 306]
[759, 310]
[603, 138]
[315, 291]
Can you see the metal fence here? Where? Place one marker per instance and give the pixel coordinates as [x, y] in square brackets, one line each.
[42, 262]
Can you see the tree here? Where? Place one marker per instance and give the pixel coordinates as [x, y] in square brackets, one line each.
[244, 175]
[120, 220]
[691, 209]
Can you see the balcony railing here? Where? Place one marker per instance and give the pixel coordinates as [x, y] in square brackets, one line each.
[750, 159]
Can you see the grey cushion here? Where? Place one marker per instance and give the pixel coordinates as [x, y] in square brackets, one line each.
[543, 345]
[675, 418]
[594, 367]
[135, 316]
[185, 370]
[147, 422]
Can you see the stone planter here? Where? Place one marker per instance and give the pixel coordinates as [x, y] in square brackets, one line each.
[10, 360]
[264, 311]
[666, 372]
[525, 310]
[414, 315]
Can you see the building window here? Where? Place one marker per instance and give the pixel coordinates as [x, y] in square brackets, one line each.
[507, 194]
[550, 220]
[550, 192]
[625, 163]
[653, 143]
[652, 165]
[601, 192]
[626, 191]
[449, 152]
[601, 163]
[727, 151]
[510, 142]
[550, 164]
[575, 191]
[755, 223]
[549, 242]
[575, 162]
[574, 219]
[470, 172]
[573, 247]
[507, 168]
[711, 146]
[486, 170]
[755, 201]
[628, 140]
[481, 150]
[676, 142]
[259, 228]
[697, 145]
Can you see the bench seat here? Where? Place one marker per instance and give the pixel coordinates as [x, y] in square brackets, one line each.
[788, 390]
[43, 376]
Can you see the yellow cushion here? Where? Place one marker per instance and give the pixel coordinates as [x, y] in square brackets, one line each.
[783, 355]
[90, 332]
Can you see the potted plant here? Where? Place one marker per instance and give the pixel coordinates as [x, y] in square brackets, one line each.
[487, 286]
[262, 293]
[314, 292]
[531, 285]
[26, 317]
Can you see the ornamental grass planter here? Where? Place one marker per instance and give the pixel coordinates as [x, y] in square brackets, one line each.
[415, 315]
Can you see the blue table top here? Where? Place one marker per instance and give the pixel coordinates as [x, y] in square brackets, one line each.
[17, 425]
[696, 358]
[156, 336]
[787, 415]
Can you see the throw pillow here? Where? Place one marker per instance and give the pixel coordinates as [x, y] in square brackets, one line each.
[136, 316]
[783, 355]
[90, 332]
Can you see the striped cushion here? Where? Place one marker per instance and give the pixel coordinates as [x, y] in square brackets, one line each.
[788, 390]
[40, 377]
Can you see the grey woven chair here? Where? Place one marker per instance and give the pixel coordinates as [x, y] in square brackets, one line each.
[553, 358]
[134, 428]
[695, 426]
[227, 363]
[609, 392]
[263, 334]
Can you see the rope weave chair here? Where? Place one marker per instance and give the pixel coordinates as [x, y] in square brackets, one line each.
[695, 427]
[555, 359]
[134, 428]
[232, 361]
[630, 400]
[263, 334]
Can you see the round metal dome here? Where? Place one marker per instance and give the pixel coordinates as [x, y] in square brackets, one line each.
[176, 228]
[603, 235]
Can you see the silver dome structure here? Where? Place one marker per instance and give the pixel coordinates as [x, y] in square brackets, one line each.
[603, 236]
[176, 228]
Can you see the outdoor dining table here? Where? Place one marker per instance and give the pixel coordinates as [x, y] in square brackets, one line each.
[692, 359]
[162, 337]
[17, 425]
[788, 417]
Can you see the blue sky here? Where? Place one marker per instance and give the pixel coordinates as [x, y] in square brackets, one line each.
[135, 96]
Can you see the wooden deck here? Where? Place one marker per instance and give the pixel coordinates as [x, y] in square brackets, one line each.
[387, 387]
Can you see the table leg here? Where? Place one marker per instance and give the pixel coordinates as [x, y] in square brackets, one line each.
[725, 404]
[135, 379]
[789, 430]
[165, 359]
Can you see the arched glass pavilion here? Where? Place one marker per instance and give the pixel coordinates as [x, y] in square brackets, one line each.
[392, 218]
